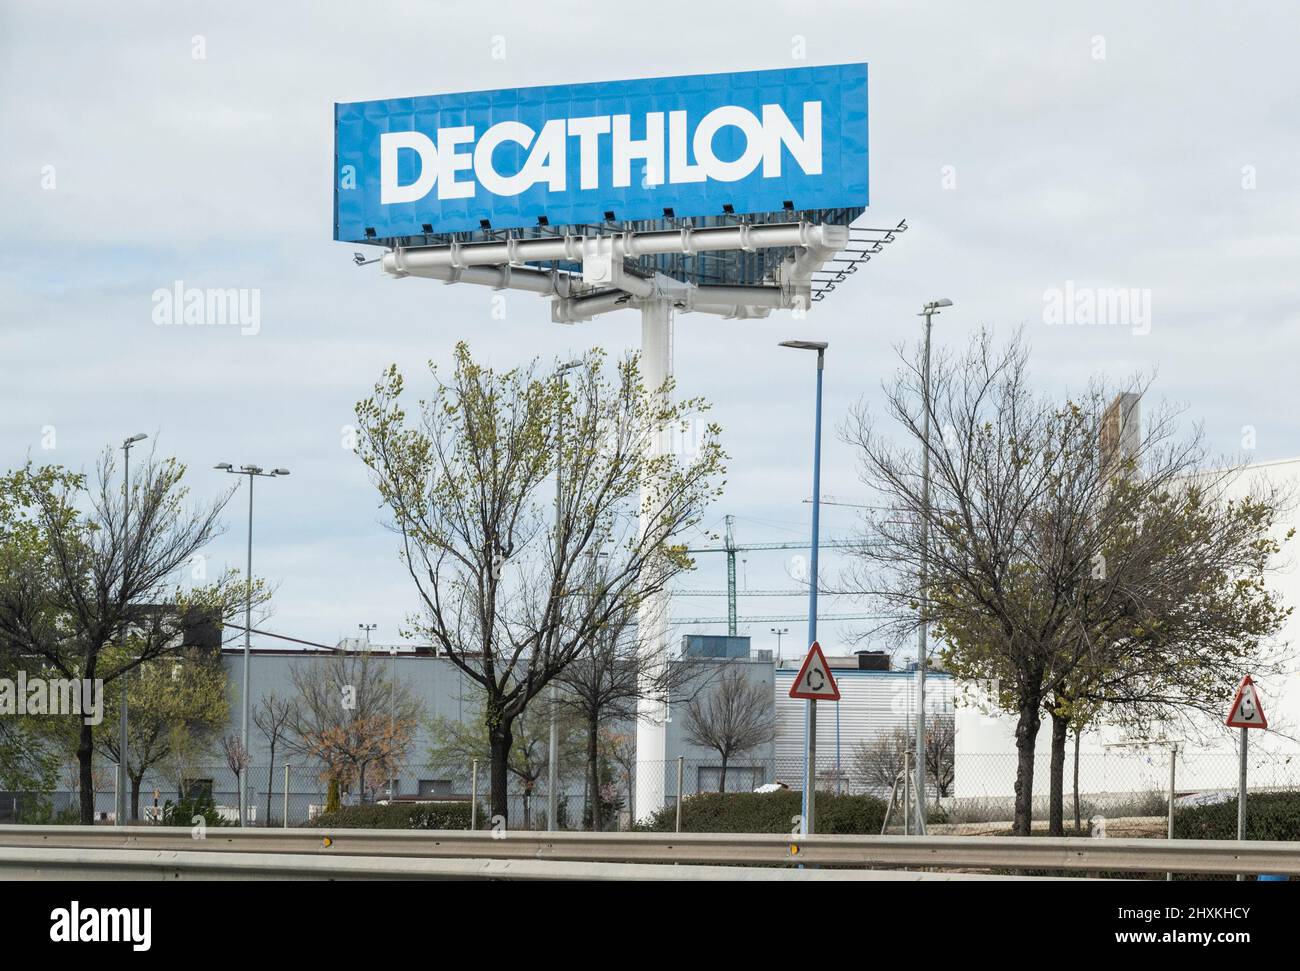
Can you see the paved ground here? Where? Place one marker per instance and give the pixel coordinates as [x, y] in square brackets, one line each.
[1131, 827]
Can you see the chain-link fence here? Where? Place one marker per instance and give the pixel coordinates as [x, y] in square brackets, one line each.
[965, 792]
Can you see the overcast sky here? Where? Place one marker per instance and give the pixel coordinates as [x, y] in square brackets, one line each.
[1150, 146]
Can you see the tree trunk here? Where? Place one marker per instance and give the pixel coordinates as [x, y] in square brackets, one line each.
[1026, 737]
[593, 773]
[135, 796]
[1056, 797]
[500, 739]
[85, 751]
[270, 783]
[722, 781]
[1078, 822]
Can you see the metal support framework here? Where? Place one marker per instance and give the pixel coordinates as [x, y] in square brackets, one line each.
[587, 275]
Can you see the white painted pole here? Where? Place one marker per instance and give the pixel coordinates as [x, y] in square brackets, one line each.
[652, 616]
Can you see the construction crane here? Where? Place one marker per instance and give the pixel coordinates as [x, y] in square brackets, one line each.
[731, 549]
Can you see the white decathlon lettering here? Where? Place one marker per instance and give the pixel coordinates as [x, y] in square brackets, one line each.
[589, 131]
[650, 148]
[390, 144]
[662, 153]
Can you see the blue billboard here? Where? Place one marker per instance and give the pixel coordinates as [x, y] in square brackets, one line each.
[697, 145]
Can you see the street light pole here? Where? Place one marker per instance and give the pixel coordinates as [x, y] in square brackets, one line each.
[810, 706]
[553, 741]
[252, 471]
[778, 631]
[392, 702]
[120, 808]
[922, 648]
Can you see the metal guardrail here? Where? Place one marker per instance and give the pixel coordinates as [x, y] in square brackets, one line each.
[30, 863]
[1075, 854]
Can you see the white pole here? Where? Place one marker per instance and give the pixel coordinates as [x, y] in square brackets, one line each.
[652, 615]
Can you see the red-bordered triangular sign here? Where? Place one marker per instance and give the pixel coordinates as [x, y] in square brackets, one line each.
[1246, 711]
[815, 681]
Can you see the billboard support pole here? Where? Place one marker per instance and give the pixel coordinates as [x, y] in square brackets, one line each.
[652, 615]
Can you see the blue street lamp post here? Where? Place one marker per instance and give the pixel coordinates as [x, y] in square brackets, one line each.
[810, 706]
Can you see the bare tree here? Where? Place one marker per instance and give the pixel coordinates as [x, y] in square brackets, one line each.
[274, 717]
[733, 718]
[879, 763]
[606, 680]
[1063, 571]
[504, 491]
[352, 717]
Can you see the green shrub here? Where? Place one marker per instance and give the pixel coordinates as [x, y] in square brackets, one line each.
[428, 815]
[770, 812]
[182, 813]
[1269, 816]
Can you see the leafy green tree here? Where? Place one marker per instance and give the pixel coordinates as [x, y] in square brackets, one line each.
[176, 708]
[104, 570]
[506, 490]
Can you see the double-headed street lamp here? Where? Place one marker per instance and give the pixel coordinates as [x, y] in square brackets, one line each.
[252, 471]
[553, 737]
[922, 648]
[120, 809]
[810, 707]
[779, 631]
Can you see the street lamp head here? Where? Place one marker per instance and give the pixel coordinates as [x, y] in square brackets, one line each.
[225, 467]
[279, 471]
[806, 345]
[936, 304]
[568, 366]
[138, 437]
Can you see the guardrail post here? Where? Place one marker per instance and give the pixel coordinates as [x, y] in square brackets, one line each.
[473, 795]
[1173, 762]
[680, 761]
[907, 793]
[286, 796]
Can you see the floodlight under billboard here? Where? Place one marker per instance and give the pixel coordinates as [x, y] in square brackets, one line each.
[727, 194]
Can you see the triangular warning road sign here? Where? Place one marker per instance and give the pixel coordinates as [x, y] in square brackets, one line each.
[814, 681]
[1246, 711]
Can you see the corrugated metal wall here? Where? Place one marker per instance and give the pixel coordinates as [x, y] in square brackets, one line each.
[871, 703]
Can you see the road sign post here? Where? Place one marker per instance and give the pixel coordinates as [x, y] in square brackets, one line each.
[1246, 713]
[813, 683]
